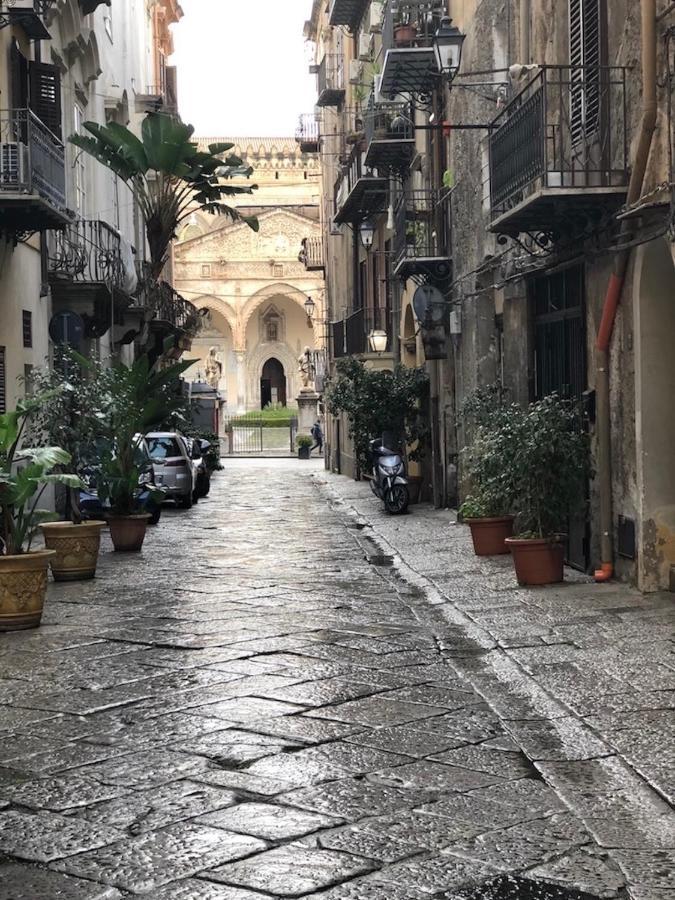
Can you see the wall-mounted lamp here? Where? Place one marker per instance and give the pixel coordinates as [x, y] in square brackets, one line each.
[377, 340]
[448, 42]
[310, 307]
[367, 232]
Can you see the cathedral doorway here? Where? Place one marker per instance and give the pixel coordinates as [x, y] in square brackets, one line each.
[272, 383]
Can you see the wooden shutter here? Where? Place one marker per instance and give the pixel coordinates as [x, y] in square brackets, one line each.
[45, 95]
[3, 382]
[586, 58]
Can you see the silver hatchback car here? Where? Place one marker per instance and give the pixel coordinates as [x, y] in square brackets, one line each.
[171, 461]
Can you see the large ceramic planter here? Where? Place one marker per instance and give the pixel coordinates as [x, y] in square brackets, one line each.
[76, 548]
[303, 452]
[489, 534]
[405, 35]
[23, 586]
[128, 532]
[538, 561]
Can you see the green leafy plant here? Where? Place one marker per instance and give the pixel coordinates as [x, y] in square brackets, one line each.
[169, 177]
[213, 462]
[25, 472]
[303, 440]
[376, 401]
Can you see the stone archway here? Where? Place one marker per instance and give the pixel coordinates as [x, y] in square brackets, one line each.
[272, 383]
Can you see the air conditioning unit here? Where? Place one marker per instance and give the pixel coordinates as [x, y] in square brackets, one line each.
[13, 164]
[355, 71]
[334, 227]
[378, 96]
[365, 46]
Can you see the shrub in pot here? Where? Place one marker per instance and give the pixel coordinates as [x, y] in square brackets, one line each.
[24, 474]
[70, 417]
[487, 509]
[304, 442]
[549, 466]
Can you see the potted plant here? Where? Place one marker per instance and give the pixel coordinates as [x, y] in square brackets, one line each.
[70, 418]
[548, 467]
[304, 442]
[142, 396]
[24, 475]
[487, 508]
[405, 30]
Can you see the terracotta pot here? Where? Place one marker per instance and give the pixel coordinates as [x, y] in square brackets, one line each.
[488, 534]
[404, 35]
[23, 586]
[128, 532]
[537, 561]
[76, 549]
[414, 488]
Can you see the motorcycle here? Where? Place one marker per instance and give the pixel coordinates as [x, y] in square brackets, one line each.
[389, 481]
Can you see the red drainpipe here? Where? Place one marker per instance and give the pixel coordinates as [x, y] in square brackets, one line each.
[615, 288]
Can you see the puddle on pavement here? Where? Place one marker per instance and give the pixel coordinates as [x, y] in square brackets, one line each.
[507, 887]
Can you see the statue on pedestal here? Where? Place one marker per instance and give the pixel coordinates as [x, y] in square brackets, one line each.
[306, 369]
[213, 368]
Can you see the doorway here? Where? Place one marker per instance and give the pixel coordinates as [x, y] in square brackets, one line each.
[272, 383]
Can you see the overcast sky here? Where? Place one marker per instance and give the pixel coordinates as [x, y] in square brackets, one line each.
[243, 66]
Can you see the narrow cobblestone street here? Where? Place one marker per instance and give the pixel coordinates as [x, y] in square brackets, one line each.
[264, 707]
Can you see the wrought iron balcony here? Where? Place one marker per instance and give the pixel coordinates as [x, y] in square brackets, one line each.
[307, 133]
[390, 136]
[423, 236]
[358, 193]
[32, 174]
[330, 80]
[311, 254]
[408, 30]
[167, 310]
[350, 335]
[26, 14]
[347, 12]
[559, 151]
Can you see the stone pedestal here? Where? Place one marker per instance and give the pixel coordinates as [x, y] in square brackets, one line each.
[308, 405]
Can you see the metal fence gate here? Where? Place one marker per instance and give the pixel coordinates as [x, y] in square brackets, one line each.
[244, 436]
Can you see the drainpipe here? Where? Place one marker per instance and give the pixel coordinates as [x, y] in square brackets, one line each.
[615, 287]
[524, 38]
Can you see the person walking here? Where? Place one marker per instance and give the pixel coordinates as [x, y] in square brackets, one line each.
[317, 434]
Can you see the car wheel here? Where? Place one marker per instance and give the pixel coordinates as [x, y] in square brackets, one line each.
[196, 495]
[185, 502]
[155, 517]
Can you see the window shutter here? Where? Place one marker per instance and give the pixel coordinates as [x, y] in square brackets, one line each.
[18, 69]
[45, 95]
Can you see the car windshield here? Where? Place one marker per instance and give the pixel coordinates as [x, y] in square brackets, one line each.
[163, 448]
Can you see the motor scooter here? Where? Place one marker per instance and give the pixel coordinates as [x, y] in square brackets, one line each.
[389, 481]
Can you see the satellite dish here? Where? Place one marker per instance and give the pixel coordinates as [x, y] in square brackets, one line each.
[66, 327]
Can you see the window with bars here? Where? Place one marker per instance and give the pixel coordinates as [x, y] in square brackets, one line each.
[587, 56]
[27, 322]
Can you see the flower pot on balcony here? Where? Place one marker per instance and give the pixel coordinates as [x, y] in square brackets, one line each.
[489, 534]
[128, 532]
[23, 587]
[76, 548]
[537, 560]
[405, 35]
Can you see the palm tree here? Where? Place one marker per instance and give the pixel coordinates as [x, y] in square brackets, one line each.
[168, 175]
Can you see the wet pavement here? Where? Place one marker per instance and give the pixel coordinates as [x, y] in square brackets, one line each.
[263, 706]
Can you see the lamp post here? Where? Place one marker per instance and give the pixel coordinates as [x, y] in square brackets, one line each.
[448, 42]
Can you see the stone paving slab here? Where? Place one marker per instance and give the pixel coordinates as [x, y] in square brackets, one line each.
[251, 709]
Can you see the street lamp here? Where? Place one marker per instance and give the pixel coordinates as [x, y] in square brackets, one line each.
[377, 339]
[310, 306]
[448, 42]
[367, 232]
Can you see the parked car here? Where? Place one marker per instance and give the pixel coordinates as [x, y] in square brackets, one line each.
[197, 449]
[150, 481]
[172, 462]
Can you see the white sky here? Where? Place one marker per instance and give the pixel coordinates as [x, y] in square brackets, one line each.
[243, 66]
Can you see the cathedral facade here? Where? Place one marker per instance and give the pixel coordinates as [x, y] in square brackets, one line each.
[255, 285]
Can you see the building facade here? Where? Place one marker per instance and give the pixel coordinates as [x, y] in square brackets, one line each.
[533, 190]
[71, 240]
[255, 284]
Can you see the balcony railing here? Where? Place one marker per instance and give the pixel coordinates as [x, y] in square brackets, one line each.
[408, 31]
[311, 254]
[347, 12]
[350, 335]
[167, 306]
[358, 193]
[390, 136]
[27, 14]
[564, 134]
[89, 252]
[32, 165]
[423, 236]
[330, 80]
[307, 132]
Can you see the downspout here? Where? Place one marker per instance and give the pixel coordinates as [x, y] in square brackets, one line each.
[614, 290]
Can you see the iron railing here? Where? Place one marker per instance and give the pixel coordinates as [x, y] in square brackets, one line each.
[330, 78]
[32, 159]
[311, 254]
[307, 129]
[87, 251]
[424, 15]
[165, 304]
[389, 122]
[350, 336]
[565, 129]
[422, 226]
[347, 12]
